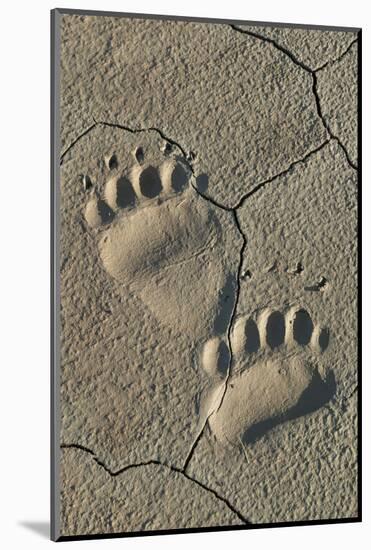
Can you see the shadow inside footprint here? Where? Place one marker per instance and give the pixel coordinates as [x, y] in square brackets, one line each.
[202, 182]
[105, 212]
[252, 337]
[125, 193]
[317, 394]
[225, 305]
[324, 339]
[275, 329]
[303, 327]
[150, 182]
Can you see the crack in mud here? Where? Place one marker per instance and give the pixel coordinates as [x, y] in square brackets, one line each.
[142, 130]
[184, 153]
[73, 143]
[283, 173]
[325, 123]
[312, 72]
[234, 211]
[238, 290]
[273, 43]
[333, 61]
[122, 127]
[230, 325]
[155, 463]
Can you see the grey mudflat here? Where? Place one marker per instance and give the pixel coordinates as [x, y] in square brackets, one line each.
[208, 263]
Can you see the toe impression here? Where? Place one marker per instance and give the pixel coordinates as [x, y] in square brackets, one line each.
[215, 357]
[276, 385]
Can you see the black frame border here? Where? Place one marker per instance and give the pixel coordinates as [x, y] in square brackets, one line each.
[54, 282]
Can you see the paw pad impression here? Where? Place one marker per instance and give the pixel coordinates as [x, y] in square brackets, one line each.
[125, 191]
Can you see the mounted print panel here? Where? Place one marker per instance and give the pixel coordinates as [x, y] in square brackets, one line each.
[205, 339]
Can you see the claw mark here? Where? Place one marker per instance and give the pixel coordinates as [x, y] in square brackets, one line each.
[317, 287]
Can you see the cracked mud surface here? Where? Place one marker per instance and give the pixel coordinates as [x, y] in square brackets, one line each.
[208, 275]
